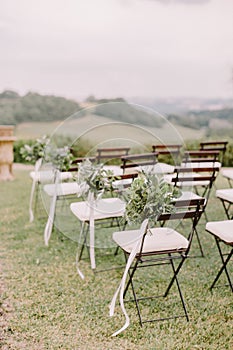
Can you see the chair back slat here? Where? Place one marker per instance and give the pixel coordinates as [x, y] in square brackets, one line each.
[111, 153]
[183, 209]
[137, 160]
[220, 146]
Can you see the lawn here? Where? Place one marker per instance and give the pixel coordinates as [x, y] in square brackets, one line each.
[45, 305]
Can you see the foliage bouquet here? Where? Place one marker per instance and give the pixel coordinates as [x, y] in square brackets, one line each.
[36, 151]
[60, 158]
[94, 180]
[148, 197]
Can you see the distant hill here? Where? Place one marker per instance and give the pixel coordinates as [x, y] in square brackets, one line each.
[33, 107]
[204, 118]
[15, 109]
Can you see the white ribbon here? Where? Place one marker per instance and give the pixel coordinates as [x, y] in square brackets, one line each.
[34, 181]
[77, 255]
[121, 286]
[90, 206]
[92, 230]
[50, 221]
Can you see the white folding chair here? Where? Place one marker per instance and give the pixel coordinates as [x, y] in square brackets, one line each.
[40, 176]
[105, 209]
[223, 234]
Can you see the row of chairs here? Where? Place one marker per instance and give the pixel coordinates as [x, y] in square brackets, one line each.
[163, 245]
[203, 175]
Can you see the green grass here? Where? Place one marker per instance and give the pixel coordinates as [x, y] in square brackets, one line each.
[47, 306]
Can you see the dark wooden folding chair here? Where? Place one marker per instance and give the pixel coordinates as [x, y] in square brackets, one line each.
[171, 151]
[197, 180]
[223, 234]
[220, 146]
[159, 246]
[111, 158]
[137, 162]
[111, 153]
[203, 158]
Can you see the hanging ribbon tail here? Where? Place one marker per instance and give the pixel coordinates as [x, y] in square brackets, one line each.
[50, 221]
[80, 272]
[47, 232]
[34, 181]
[31, 215]
[121, 286]
[113, 302]
[78, 269]
[92, 231]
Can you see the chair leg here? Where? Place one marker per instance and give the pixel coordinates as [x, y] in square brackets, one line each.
[178, 286]
[131, 274]
[134, 295]
[226, 208]
[123, 228]
[174, 275]
[84, 234]
[199, 243]
[36, 198]
[223, 268]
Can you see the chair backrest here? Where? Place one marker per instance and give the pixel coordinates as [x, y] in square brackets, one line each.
[123, 181]
[172, 151]
[77, 161]
[110, 154]
[199, 176]
[220, 146]
[183, 209]
[138, 160]
[201, 156]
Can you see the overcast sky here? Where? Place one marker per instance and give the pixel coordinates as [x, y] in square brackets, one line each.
[109, 48]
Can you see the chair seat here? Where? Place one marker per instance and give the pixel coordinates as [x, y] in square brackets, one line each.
[157, 240]
[158, 168]
[62, 189]
[116, 169]
[225, 194]
[222, 230]
[103, 209]
[188, 195]
[48, 176]
[201, 164]
[228, 173]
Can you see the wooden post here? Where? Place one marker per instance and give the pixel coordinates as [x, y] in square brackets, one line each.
[6, 152]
